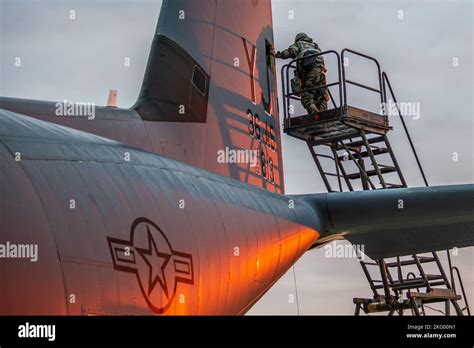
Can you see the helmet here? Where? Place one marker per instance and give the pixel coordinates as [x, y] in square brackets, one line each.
[300, 36]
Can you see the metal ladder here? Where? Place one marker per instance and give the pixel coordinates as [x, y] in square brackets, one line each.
[343, 168]
[353, 151]
[361, 158]
[394, 282]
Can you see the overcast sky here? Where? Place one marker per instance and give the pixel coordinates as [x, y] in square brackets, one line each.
[417, 43]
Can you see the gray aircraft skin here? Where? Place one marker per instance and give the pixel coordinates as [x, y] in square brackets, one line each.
[133, 214]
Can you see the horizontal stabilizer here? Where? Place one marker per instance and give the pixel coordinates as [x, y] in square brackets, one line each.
[399, 221]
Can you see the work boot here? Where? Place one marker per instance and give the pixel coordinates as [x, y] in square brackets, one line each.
[312, 109]
[321, 106]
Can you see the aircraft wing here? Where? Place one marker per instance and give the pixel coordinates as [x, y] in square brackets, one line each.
[399, 221]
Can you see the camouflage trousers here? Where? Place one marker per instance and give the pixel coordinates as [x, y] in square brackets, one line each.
[316, 100]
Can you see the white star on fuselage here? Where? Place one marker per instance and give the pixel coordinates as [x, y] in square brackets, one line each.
[156, 262]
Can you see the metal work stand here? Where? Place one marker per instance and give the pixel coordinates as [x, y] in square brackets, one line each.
[351, 151]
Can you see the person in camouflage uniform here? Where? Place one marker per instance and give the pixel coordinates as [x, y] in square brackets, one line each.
[316, 100]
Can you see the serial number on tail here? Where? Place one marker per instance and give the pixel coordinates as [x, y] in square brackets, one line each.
[264, 133]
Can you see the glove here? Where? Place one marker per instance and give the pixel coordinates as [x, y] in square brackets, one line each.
[278, 54]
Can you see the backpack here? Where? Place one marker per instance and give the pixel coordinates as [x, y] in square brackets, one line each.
[308, 49]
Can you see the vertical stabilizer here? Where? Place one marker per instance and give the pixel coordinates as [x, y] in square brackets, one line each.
[209, 94]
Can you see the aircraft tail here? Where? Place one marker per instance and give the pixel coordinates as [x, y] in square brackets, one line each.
[398, 221]
[209, 95]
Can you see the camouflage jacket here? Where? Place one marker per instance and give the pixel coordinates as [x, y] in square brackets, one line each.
[294, 50]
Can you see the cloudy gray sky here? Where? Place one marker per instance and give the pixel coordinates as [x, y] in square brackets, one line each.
[416, 42]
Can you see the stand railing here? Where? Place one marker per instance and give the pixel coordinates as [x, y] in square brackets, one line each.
[288, 95]
[341, 82]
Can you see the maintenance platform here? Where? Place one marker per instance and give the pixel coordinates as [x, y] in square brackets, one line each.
[351, 150]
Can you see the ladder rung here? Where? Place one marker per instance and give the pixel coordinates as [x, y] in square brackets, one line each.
[442, 294]
[408, 285]
[409, 281]
[384, 170]
[376, 152]
[364, 154]
[358, 143]
[394, 185]
[325, 156]
[332, 174]
[370, 263]
[422, 259]
[434, 276]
